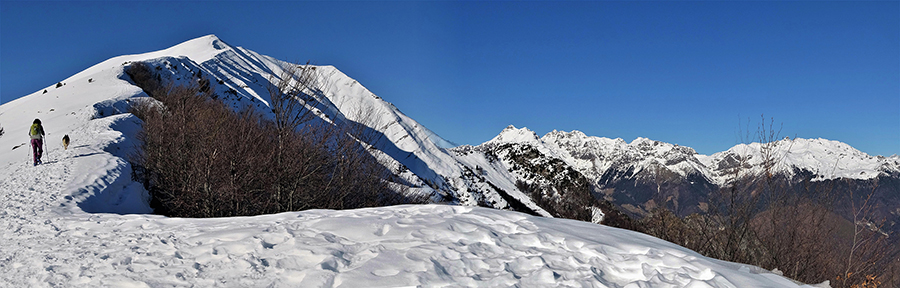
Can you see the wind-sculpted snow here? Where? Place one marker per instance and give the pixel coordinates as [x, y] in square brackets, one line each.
[66, 223]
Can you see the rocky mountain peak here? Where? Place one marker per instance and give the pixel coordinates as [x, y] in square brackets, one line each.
[513, 134]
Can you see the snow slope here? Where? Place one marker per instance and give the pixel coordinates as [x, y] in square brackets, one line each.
[79, 220]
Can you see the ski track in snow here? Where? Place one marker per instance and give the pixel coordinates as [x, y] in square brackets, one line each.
[56, 234]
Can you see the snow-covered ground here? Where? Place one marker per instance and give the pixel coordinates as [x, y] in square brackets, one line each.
[49, 241]
[79, 221]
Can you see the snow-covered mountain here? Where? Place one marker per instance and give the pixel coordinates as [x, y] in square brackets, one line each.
[416, 154]
[80, 221]
[644, 173]
[826, 159]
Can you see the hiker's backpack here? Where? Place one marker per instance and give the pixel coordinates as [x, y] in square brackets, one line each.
[36, 130]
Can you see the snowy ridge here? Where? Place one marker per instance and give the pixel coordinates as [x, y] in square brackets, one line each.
[594, 156]
[827, 159]
[397, 135]
[67, 222]
[199, 49]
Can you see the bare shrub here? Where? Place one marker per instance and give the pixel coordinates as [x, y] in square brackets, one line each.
[198, 158]
[663, 223]
[867, 259]
[336, 150]
[769, 221]
[142, 77]
[289, 93]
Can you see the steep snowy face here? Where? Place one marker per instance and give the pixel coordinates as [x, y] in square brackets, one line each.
[241, 78]
[591, 155]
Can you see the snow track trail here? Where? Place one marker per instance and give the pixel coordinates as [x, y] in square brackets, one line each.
[29, 194]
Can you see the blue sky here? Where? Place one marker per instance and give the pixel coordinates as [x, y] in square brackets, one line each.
[681, 72]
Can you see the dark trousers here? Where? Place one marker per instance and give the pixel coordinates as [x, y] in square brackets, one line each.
[37, 148]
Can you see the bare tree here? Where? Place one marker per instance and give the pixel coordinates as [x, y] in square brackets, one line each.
[769, 218]
[334, 166]
[792, 227]
[293, 96]
[867, 258]
[293, 99]
[199, 158]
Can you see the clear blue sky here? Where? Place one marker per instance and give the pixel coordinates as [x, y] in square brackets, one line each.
[680, 72]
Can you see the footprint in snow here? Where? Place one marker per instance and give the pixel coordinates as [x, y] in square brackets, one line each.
[383, 230]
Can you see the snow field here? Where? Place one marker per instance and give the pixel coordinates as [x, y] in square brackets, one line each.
[431, 245]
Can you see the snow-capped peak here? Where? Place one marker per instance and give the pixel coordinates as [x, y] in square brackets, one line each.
[518, 135]
[644, 141]
[199, 49]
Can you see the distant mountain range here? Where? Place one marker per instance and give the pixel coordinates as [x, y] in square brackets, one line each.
[644, 174]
